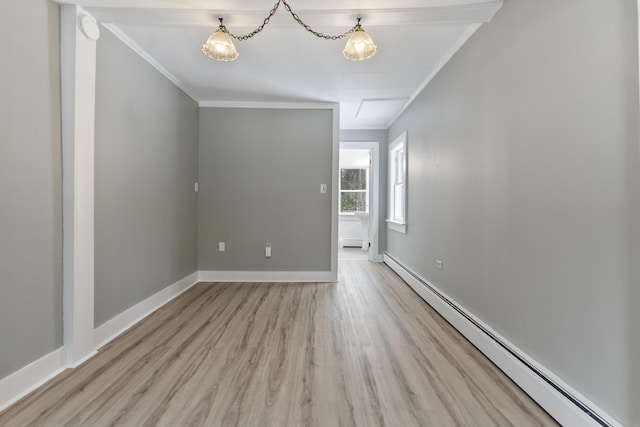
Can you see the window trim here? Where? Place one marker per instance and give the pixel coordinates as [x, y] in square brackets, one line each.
[397, 178]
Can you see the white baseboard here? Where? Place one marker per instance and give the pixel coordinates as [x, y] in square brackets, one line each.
[25, 380]
[377, 258]
[22, 382]
[266, 276]
[81, 361]
[560, 400]
[123, 321]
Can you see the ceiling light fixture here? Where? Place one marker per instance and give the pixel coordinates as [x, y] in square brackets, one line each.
[219, 45]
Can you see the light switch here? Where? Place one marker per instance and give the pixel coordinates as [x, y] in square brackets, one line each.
[221, 246]
[323, 188]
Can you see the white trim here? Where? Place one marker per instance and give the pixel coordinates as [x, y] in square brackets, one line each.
[348, 216]
[268, 104]
[128, 318]
[266, 276]
[78, 76]
[400, 227]
[76, 363]
[439, 65]
[558, 406]
[395, 221]
[243, 14]
[124, 38]
[374, 208]
[335, 172]
[22, 382]
[378, 258]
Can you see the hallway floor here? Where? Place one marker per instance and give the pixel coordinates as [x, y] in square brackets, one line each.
[352, 254]
[365, 351]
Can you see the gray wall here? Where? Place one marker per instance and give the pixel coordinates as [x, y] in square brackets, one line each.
[146, 166]
[381, 136]
[523, 179]
[30, 184]
[633, 301]
[260, 175]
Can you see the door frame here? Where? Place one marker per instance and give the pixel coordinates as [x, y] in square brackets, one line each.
[374, 193]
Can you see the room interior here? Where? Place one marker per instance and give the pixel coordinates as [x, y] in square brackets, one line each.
[135, 167]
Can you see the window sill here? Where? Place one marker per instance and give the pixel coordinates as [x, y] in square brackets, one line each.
[347, 217]
[398, 226]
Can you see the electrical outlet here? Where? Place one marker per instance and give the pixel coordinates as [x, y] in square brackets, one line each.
[267, 250]
[439, 264]
[221, 246]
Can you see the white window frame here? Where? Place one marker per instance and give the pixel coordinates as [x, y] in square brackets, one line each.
[397, 194]
[366, 190]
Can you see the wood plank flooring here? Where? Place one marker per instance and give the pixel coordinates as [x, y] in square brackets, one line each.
[366, 351]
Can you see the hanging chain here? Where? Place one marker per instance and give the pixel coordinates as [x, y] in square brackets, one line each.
[315, 33]
[257, 30]
[295, 17]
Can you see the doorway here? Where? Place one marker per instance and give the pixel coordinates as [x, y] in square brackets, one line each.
[359, 188]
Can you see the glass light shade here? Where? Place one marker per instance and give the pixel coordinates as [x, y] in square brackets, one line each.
[220, 47]
[359, 47]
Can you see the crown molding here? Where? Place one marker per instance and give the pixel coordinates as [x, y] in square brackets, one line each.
[270, 104]
[443, 61]
[116, 31]
[152, 12]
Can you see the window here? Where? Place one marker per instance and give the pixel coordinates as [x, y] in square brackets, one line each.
[397, 219]
[354, 190]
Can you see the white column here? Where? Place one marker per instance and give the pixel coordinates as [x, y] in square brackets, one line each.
[79, 33]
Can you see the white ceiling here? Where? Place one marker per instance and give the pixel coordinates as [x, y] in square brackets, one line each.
[285, 63]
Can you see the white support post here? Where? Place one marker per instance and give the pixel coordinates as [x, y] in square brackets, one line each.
[335, 174]
[79, 33]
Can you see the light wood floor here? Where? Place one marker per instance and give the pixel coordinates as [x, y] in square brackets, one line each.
[352, 254]
[366, 351]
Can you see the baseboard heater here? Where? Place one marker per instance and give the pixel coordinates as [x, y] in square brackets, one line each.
[351, 243]
[577, 402]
